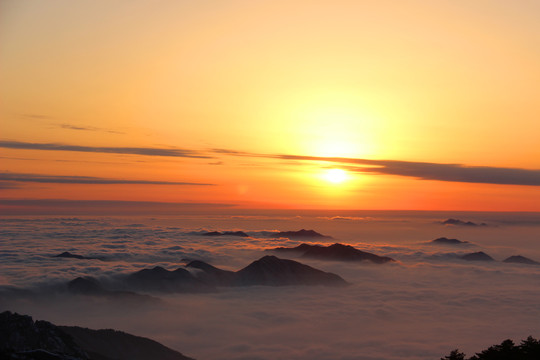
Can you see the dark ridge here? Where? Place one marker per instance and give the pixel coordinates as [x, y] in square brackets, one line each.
[162, 280]
[226, 233]
[477, 256]
[67, 254]
[212, 275]
[446, 241]
[23, 339]
[270, 270]
[342, 252]
[458, 222]
[302, 248]
[300, 234]
[335, 252]
[117, 345]
[518, 259]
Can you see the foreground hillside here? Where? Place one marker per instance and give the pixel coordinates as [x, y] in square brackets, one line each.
[24, 339]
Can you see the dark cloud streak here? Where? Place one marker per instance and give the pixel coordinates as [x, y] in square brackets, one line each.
[67, 126]
[8, 185]
[87, 128]
[174, 152]
[58, 179]
[458, 173]
[420, 170]
[433, 171]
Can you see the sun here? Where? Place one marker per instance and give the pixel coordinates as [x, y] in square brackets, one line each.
[336, 176]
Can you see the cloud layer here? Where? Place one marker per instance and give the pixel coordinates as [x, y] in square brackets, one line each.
[103, 207]
[418, 308]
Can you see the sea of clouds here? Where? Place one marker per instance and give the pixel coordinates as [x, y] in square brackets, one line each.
[422, 306]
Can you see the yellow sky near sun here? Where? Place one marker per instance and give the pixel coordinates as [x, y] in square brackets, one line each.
[428, 81]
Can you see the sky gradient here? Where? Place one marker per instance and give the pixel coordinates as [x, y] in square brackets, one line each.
[424, 105]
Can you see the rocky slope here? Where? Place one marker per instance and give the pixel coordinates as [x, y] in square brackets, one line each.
[23, 339]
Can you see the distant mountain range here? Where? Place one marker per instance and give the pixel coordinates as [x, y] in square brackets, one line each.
[483, 257]
[268, 271]
[458, 222]
[335, 252]
[300, 234]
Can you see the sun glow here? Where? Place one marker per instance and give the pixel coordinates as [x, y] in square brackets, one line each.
[336, 176]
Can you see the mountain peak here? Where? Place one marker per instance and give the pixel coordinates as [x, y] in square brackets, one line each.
[477, 256]
[273, 271]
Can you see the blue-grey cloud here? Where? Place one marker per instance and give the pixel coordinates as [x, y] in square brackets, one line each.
[63, 179]
[169, 152]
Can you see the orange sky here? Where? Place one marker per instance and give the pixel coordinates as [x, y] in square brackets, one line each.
[430, 105]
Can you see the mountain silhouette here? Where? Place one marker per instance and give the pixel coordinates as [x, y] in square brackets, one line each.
[520, 260]
[67, 254]
[212, 275]
[162, 280]
[273, 271]
[300, 234]
[458, 222]
[477, 256]
[446, 241]
[268, 270]
[335, 252]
